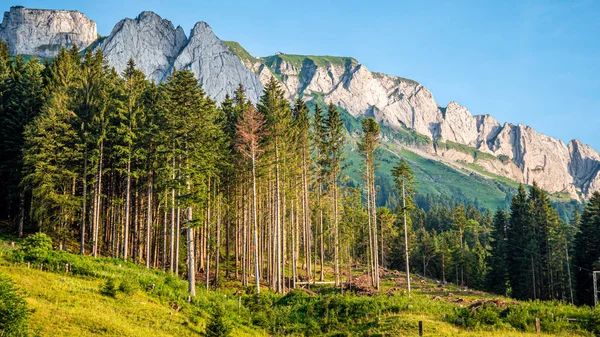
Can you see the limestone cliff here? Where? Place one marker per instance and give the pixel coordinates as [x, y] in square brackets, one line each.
[517, 152]
[43, 32]
[514, 151]
[151, 41]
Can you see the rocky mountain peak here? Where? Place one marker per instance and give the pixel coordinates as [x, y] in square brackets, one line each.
[42, 32]
[152, 42]
[220, 72]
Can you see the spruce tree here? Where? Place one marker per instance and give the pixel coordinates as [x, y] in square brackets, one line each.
[587, 250]
[405, 184]
[521, 247]
[334, 143]
[497, 276]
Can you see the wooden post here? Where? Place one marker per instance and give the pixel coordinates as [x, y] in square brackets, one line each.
[538, 328]
[28, 265]
[420, 328]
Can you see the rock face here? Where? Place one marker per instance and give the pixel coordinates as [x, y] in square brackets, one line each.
[514, 151]
[151, 41]
[220, 72]
[517, 152]
[157, 47]
[43, 32]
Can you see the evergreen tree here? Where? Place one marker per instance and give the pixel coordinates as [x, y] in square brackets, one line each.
[334, 143]
[587, 250]
[404, 180]
[497, 276]
[521, 247]
[367, 146]
[22, 101]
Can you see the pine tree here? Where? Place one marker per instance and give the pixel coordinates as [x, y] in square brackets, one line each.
[23, 99]
[276, 110]
[197, 138]
[404, 180]
[587, 249]
[521, 247]
[367, 146]
[497, 276]
[250, 131]
[334, 143]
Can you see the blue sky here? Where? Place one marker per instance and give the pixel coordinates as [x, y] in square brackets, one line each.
[529, 62]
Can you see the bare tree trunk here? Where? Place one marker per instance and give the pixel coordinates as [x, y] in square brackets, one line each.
[369, 225]
[84, 210]
[96, 224]
[127, 206]
[406, 240]
[306, 210]
[336, 233]
[255, 224]
[374, 215]
[149, 223]
[191, 260]
[278, 270]
[172, 250]
[218, 237]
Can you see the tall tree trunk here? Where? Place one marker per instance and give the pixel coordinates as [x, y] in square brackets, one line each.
[374, 215]
[172, 250]
[278, 239]
[127, 206]
[255, 224]
[307, 225]
[97, 201]
[149, 222]
[406, 240]
[336, 233]
[84, 210]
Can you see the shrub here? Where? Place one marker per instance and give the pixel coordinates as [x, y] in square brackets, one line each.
[109, 288]
[217, 326]
[127, 287]
[36, 247]
[14, 314]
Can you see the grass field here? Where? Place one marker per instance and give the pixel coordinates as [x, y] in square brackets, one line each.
[71, 304]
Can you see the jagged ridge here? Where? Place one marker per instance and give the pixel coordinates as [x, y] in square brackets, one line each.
[513, 151]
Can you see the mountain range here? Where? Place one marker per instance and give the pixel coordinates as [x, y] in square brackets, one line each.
[414, 124]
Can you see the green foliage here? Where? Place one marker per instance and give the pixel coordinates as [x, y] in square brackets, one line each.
[109, 288]
[127, 287]
[14, 314]
[217, 325]
[36, 247]
[297, 60]
[239, 51]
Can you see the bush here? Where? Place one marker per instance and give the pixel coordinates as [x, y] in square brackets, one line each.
[217, 326]
[14, 314]
[127, 287]
[109, 288]
[36, 247]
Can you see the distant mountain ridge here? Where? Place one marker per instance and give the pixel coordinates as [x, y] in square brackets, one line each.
[452, 133]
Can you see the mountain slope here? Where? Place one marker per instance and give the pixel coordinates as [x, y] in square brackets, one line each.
[450, 135]
[516, 152]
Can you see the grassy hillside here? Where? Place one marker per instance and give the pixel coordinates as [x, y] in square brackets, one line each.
[71, 304]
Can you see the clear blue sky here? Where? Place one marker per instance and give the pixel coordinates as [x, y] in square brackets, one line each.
[529, 62]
